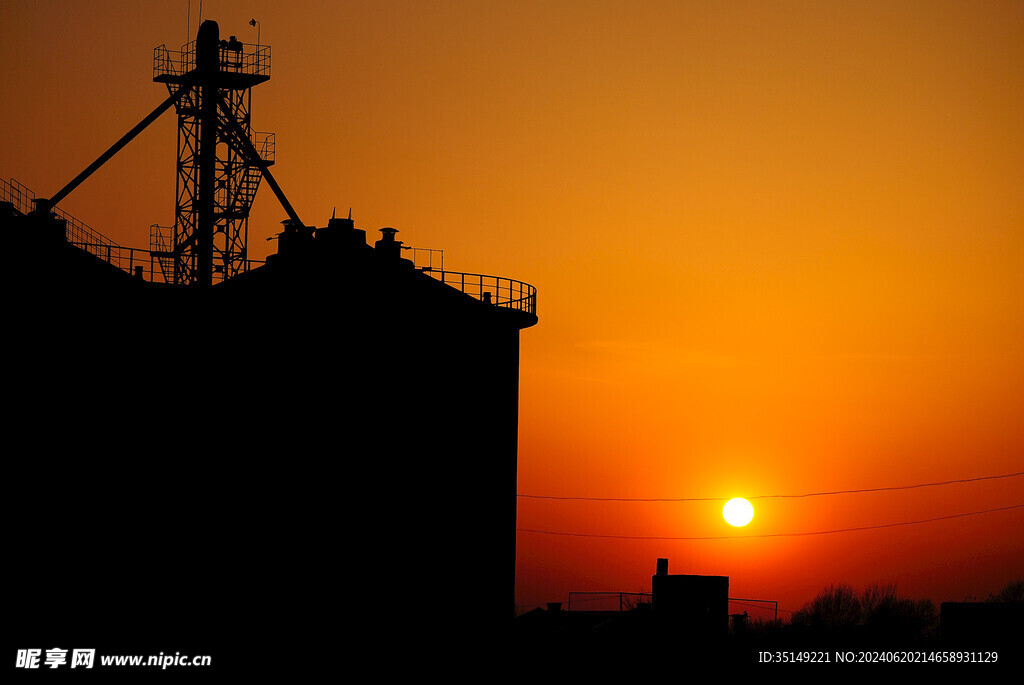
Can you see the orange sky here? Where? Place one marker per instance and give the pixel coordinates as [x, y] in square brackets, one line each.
[779, 246]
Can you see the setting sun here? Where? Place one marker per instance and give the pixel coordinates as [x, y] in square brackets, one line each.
[738, 512]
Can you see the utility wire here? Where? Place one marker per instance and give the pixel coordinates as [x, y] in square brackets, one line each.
[806, 494]
[770, 535]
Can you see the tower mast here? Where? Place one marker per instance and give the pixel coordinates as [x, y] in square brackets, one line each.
[217, 178]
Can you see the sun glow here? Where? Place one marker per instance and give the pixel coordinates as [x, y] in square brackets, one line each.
[738, 512]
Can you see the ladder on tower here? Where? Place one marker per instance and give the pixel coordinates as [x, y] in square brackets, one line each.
[245, 193]
[160, 246]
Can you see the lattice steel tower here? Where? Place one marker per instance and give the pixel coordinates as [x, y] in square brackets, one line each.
[219, 156]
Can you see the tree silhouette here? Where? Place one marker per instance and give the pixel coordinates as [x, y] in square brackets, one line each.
[1011, 592]
[835, 607]
[884, 612]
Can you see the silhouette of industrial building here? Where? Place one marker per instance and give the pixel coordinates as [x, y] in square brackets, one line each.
[220, 456]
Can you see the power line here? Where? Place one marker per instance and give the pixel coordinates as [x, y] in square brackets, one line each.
[806, 494]
[770, 535]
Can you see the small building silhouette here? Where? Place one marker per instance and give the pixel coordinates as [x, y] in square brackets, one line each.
[697, 606]
[982, 624]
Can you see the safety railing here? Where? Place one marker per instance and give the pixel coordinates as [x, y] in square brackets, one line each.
[76, 232]
[501, 292]
[265, 144]
[125, 258]
[426, 258]
[166, 63]
[607, 601]
[82, 236]
[18, 195]
[235, 58]
[138, 262]
[79, 234]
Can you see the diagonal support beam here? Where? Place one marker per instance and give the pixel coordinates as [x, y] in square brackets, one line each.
[45, 205]
[254, 158]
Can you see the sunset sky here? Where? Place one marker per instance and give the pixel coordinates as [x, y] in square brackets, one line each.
[779, 247]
